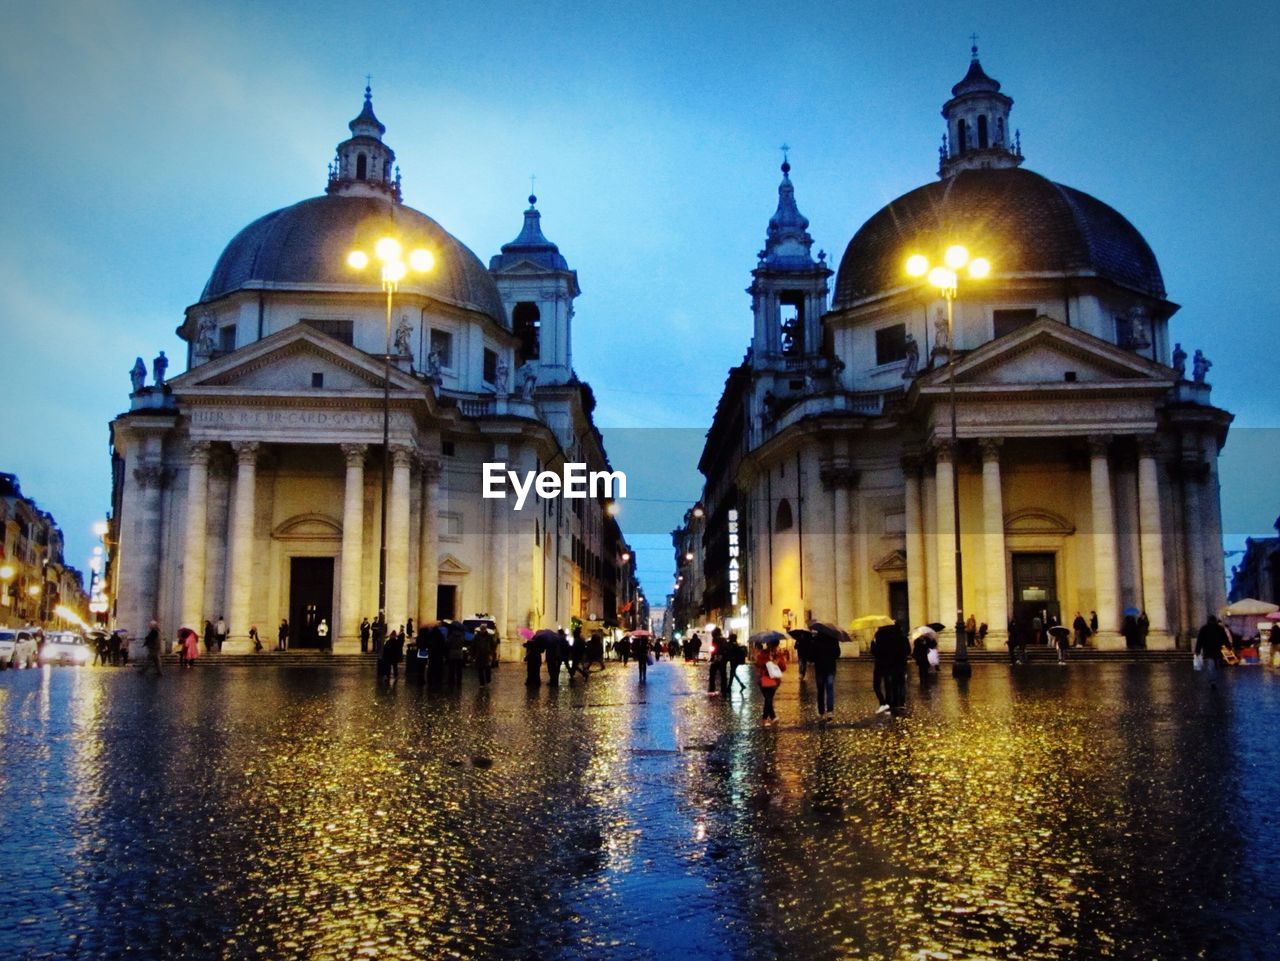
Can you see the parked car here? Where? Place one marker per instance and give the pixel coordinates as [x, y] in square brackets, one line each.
[65, 647]
[17, 647]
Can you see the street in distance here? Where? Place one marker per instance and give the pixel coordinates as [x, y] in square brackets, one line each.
[573, 482]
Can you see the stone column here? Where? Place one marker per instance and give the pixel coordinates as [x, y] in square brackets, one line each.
[349, 602]
[499, 522]
[240, 576]
[838, 478]
[944, 474]
[429, 540]
[398, 539]
[1215, 585]
[193, 549]
[1193, 472]
[1151, 545]
[1104, 543]
[996, 608]
[139, 584]
[917, 593]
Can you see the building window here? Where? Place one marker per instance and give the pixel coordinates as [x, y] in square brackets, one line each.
[317, 379]
[362, 166]
[446, 448]
[783, 521]
[450, 526]
[791, 321]
[442, 347]
[490, 371]
[343, 330]
[891, 344]
[962, 136]
[982, 131]
[1007, 321]
[227, 338]
[526, 323]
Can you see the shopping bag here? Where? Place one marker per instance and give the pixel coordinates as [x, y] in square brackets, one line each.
[1197, 662]
[934, 658]
[773, 670]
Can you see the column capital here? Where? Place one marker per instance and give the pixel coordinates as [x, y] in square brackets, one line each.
[198, 453]
[354, 454]
[401, 455]
[990, 447]
[1148, 445]
[1099, 444]
[150, 476]
[246, 451]
[430, 466]
[944, 451]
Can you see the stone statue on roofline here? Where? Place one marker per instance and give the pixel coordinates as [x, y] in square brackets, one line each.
[205, 343]
[502, 377]
[1179, 361]
[138, 375]
[528, 374]
[403, 332]
[158, 368]
[1200, 365]
[434, 374]
[913, 357]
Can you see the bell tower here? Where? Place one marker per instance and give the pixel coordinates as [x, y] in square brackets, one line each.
[538, 290]
[364, 165]
[977, 116]
[788, 287]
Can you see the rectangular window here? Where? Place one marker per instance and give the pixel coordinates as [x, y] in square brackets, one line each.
[343, 330]
[442, 347]
[891, 344]
[317, 379]
[490, 366]
[1007, 321]
[450, 526]
[227, 338]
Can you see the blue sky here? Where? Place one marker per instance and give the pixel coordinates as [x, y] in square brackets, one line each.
[142, 136]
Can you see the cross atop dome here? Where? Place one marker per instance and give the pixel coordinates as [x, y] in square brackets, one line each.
[787, 242]
[977, 118]
[364, 165]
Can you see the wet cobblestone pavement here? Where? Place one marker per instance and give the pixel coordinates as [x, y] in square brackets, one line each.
[1099, 810]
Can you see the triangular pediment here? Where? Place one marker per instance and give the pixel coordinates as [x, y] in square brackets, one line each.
[451, 565]
[289, 360]
[1047, 351]
[895, 560]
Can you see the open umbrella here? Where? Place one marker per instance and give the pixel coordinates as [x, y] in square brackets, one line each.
[525, 632]
[831, 631]
[640, 633]
[924, 630]
[937, 626]
[868, 622]
[546, 636]
[768, 637]
[1249, 607]
[1060, 629]
[1131, 612]
[1273, 616]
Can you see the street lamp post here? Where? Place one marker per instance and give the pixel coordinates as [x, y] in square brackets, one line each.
[946, 279]
[388, 252]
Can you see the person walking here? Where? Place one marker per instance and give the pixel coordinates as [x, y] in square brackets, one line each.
[891, 651]
[1210, 640]
[1080, 628]
[737, 658]
[389, 660]
[210, 638]
[577, 654]
[220, 631]
[640, 648]
[971, 630]
[920, 654]
[482, 651]
[533, 662]
[455, 655]
[804, 651]
[771, 662]
[555, 657]
[1062, 639]
[152, 644]
[718, 669]
[322, 633]
[880, 658]
[825, 653]
[190, 648]
[282, 636]
[365, 630]
[253, 636]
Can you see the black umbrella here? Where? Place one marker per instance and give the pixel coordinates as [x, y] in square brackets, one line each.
[937, 626]
[828, 631]
[1060, 629]
[546, 636]
[768, 637]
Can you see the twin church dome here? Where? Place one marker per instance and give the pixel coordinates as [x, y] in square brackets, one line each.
[1026, 224]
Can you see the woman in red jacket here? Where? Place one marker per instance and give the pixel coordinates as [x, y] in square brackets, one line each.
[771, 661]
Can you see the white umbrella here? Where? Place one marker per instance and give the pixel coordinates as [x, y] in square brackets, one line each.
[1250, 607]
[924, 631]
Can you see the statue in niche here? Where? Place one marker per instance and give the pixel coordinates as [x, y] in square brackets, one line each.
[1179, 361]
[158, 368]
[913, 356]
[434, 374]
[941, 332]
[770, 403]
[403, 332]
[1139, 336]
[205, 343]
[528, 374]
[1200, 365]
[501, 377]
[138, 375]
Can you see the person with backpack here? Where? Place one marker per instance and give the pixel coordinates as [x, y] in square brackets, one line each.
[771, 662]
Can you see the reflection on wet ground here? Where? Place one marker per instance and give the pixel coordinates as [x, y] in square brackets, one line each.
[1099, 810]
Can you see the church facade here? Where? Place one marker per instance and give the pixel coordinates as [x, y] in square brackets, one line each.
[250, 486]
[1084, 461]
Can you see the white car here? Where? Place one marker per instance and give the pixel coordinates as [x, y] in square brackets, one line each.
[65, 647]
[17, 647]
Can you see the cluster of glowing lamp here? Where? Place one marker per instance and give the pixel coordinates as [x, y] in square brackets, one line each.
[388, 252]
[946, 276]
